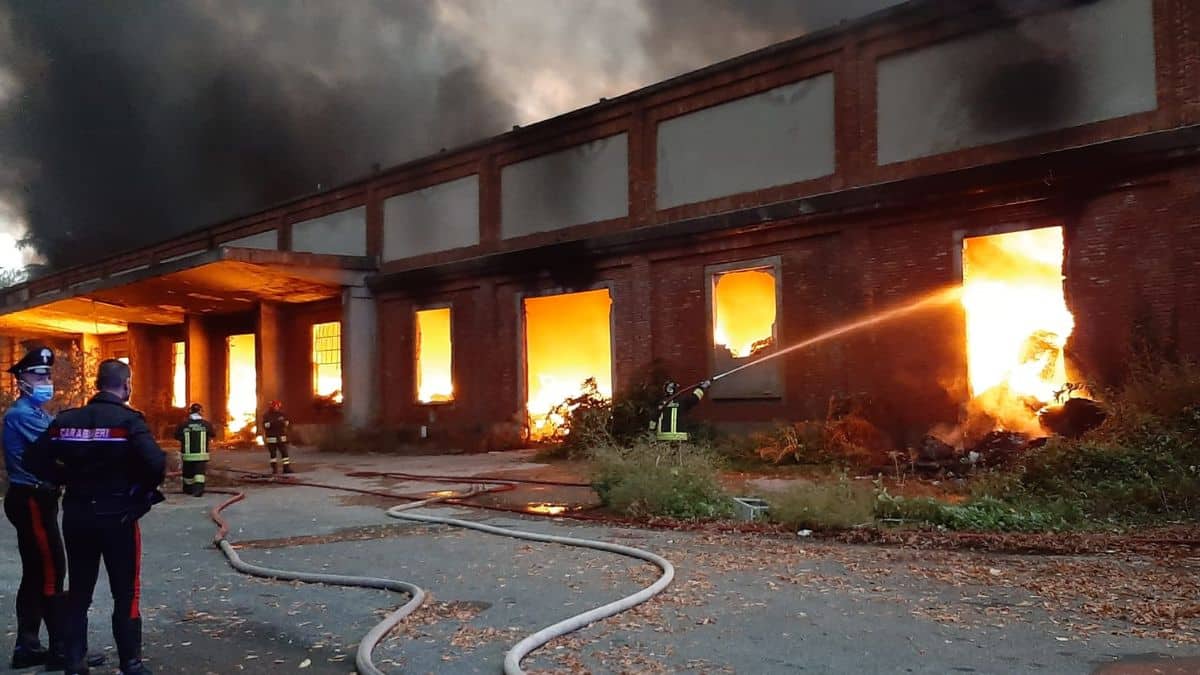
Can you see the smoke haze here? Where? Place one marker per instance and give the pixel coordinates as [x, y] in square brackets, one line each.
[126, 123]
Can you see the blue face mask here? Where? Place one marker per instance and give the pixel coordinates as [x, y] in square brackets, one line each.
[42, 393]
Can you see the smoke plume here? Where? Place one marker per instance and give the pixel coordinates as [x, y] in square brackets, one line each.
[127, 123]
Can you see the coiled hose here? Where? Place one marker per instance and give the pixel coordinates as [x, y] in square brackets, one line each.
[512, 660]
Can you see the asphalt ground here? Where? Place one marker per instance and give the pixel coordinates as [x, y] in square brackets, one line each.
[740, 603]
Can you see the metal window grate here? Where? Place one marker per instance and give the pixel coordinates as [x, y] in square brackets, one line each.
[327, 359]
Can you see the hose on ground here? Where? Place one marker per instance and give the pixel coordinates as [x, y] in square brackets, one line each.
[512, 660]
[362, 657]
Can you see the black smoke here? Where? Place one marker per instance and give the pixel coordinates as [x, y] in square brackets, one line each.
[124, 123]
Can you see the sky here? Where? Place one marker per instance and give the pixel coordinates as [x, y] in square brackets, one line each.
[124, 123]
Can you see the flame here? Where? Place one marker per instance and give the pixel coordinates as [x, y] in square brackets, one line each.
[744, 311]
[546, 509]
[567, 340]
[179, 376]
[434, 349]
[327, 360]
[1017, 323]
[242, 404]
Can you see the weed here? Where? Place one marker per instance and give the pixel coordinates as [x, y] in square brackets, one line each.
[823, 505]
[654, 479]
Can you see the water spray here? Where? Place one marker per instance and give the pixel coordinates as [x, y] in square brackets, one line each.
[938, 298]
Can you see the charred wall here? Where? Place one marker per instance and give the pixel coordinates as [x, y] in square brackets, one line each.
[1131, 274]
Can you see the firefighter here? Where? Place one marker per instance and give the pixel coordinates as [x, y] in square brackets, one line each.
[32, 507]
[194, 435]
[275, 425]
[105, 457]
[673, 408]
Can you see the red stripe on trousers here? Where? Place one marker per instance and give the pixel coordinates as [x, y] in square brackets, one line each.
[135, 611]
[43, 542]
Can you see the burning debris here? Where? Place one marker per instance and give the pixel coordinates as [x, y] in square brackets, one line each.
[1074, 418]
[568, 340]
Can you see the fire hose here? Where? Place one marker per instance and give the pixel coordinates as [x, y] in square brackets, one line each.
[512, 660]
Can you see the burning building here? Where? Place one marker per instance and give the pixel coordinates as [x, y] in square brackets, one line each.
[1042, 157]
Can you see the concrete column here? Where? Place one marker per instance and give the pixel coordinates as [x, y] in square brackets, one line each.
[89, 343]
[268, 354]
[143, 363]
[359, 357]
[200, 380]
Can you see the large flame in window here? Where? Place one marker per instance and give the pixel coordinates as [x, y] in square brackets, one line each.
[327, 360]
[744, 311]
[1017, 323]
[242, 402]
[567, 340]
[434, 380]
[179, 375]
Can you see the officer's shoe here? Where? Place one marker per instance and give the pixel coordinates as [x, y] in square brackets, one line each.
[287, 468]
[56, 662]
[134, 667]
[27, 657]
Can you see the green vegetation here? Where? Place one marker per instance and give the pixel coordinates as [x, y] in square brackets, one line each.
[1141, 466]
[656, 479]
[836, 505]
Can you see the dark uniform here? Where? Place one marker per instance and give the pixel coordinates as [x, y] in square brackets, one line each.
[670, 425]
[106, 458]
[275, 427]
[31, 505]
[194, 436]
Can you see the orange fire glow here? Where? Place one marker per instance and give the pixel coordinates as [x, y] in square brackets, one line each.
[744, 311]
[546, 509]
[434, 349]
[327, 360]
[1017, 323]
[567, 341]
[242, 404]
[179, 376]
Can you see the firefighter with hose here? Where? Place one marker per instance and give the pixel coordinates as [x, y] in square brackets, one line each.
[674, 407]
[194, 435]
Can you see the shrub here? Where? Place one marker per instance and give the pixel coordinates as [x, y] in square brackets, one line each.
[799, 443]
[652, 479]
[1142, 463]
[823, 505]
[979, 514]
[593, 420]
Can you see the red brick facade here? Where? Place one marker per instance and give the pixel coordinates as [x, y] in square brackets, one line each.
[861, 240]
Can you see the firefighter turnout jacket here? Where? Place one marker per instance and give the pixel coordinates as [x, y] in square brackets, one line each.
[670, 416]
[194, 436]
[275, 426]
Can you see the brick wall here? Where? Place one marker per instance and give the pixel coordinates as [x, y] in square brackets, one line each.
[1132, 268]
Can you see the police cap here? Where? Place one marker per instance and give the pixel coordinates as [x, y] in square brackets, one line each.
[37, 360]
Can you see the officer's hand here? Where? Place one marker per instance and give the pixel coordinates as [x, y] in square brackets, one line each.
[705, 385]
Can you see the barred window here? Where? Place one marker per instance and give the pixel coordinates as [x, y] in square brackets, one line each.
[327, 360]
